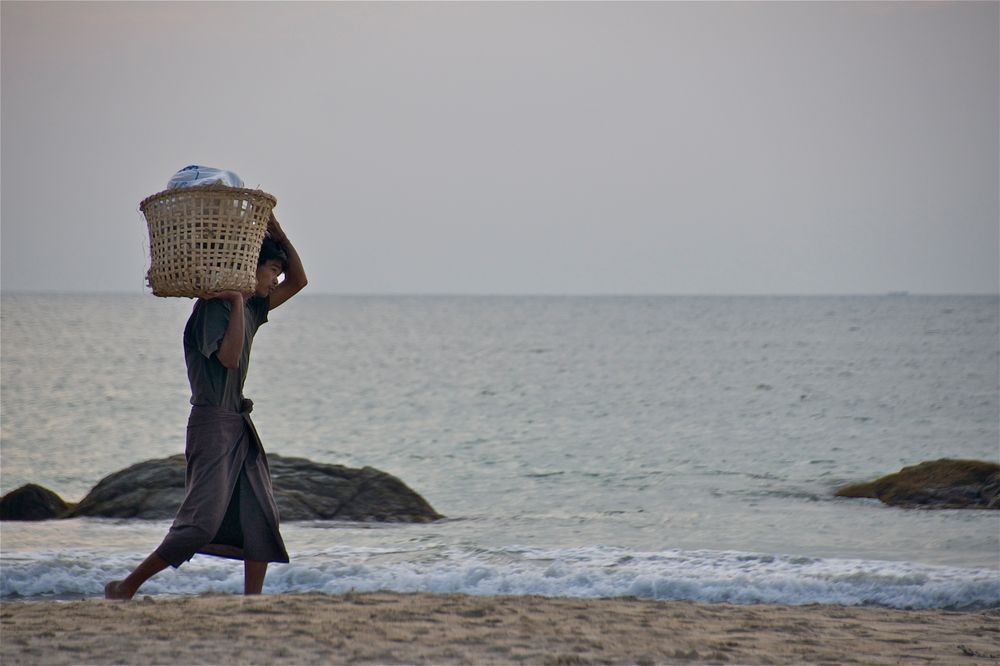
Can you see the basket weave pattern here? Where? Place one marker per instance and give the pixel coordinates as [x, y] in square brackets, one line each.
[205, 238]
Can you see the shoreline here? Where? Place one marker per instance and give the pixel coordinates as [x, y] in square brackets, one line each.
[425, 628]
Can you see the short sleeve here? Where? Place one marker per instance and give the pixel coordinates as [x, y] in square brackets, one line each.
[209, 326]
[259, 306]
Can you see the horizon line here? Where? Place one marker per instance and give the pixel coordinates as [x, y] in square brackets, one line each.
[894, 293]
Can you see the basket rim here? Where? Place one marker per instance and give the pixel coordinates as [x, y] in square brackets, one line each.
[243, 191]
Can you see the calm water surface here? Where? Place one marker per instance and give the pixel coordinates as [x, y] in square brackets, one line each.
[578, 445]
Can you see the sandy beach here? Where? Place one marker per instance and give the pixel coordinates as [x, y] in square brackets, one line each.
[392, 628]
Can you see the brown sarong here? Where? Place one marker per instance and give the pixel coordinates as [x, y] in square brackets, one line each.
[229, 508]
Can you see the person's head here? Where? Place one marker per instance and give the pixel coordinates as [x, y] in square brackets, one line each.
[272, 263]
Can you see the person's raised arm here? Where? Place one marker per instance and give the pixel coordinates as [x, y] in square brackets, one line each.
[231, 348]
[295, 275]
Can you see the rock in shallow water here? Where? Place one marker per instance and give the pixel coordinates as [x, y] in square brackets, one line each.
[303, 490]
[31, 502]
[937, 484]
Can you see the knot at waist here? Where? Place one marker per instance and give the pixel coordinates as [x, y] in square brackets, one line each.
[218, 412]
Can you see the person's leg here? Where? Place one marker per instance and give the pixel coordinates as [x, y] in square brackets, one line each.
[253, 576]
[259, 546]
[126, 589]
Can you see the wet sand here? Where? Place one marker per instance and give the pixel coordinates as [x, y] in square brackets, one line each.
[391, 628]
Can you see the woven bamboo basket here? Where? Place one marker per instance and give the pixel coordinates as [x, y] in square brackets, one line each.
[205, 238]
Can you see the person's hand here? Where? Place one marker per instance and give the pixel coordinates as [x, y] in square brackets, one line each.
[275, 230]
[234, 297]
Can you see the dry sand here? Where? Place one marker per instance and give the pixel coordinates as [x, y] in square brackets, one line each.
[390, 628]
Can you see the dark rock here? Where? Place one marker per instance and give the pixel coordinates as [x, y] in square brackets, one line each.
[303, 490]
[152, 490]
[938, 484]
[31, 502]
[306, 490]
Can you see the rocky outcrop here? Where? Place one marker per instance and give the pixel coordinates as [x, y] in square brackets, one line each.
[31, 502]
[938, 484]
[303, 490]
[152, 490]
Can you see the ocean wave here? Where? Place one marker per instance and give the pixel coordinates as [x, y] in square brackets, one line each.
[592, 571]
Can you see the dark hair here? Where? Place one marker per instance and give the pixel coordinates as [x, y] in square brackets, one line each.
[271, 250]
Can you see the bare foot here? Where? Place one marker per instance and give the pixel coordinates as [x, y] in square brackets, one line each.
[114, 590]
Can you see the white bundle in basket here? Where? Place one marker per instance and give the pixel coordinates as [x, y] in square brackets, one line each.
[195, 175]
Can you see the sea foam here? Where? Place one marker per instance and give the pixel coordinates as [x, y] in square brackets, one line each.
[592, 571]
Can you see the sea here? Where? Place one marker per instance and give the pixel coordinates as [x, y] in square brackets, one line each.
[667, 447]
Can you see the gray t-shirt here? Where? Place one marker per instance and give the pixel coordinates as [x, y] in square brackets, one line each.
[211, 382]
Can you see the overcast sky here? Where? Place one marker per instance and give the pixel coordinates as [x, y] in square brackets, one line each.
[556, 148]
